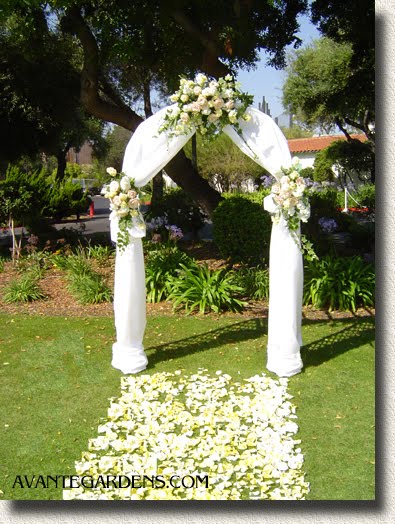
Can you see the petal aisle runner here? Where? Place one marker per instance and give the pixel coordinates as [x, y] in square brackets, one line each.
[176, 436]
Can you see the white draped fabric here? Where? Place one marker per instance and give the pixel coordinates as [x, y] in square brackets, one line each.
[146, 154]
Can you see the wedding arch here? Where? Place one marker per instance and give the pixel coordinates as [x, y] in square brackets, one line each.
[147, 152]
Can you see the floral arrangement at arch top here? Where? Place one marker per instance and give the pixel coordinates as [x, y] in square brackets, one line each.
[124, 205]
[207, 106]
[290, 196]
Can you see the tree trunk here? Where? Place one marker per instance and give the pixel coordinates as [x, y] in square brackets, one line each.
[180, 169]
[61, 158]
[157, 181]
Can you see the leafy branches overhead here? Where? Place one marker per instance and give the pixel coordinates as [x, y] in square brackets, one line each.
[40, 85]
[323, 88]
[110, 52]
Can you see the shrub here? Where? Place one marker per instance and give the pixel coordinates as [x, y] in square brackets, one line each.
[241, 230]
[89, 288]
[180, 210]
[196, 287]
[366, 196]
[339, 283]
[254, 281]
[24, 289]
[363, 236]
[100, 253]
[162, 264]
[76, 264]
[67, 199]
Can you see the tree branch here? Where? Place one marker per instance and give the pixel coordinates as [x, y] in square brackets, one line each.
[342, 129]
[362, 127]
[210, 61]
[90, 99]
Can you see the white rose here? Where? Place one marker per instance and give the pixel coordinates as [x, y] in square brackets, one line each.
[111, 171]
[114, 186]
[125, 183]
[212, 118]
[174, 97]
[184, 98]
[232, 116]
[116, 201]
[184, 117]
[122, 212]
[197, 90]
[200, 79]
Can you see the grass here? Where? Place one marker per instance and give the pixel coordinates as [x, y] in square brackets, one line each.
[57, 380]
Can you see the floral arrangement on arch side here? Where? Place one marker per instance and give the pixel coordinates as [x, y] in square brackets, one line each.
[290, 196]
[207, 106]
[125, 202]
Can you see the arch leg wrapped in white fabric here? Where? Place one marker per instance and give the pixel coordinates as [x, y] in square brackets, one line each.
[129, 307]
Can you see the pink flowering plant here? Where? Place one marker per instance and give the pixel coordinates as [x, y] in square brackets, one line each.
[290, 196]
[207, 106]
[125, 202]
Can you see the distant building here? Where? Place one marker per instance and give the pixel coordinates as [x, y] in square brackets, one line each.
[264, 107]
[283, 120]
[306, 149]
[80, 156]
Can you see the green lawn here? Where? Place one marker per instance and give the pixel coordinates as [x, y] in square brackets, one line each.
[56, 381]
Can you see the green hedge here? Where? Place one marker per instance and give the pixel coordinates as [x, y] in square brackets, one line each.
[241, 229]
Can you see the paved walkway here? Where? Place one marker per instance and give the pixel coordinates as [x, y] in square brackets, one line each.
[98, 223]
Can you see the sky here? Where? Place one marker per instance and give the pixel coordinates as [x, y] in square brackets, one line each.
[267, 81]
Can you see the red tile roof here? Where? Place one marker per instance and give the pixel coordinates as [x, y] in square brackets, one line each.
[317, 143]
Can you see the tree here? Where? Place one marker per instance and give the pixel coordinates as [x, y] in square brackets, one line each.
[117, 140]
[296, 131]
[223, 164]
[20, 204]
[170, 38]
[40, 110]
[353, 22]
[353, 161]
[317, 88]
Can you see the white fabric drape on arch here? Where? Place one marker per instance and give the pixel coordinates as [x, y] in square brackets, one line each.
[146, 154]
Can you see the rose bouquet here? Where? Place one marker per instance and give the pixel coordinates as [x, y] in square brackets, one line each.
[291, 202]
[124, 205]
[207, 106]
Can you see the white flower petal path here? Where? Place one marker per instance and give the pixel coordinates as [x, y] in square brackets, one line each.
[240, 434]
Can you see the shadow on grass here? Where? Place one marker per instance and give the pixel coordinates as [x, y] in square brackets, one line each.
[239, 332]
[361, 331]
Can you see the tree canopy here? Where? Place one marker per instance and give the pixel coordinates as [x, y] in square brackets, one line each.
[115, 49]
[40, 109]
[323, 88]
[223, 164]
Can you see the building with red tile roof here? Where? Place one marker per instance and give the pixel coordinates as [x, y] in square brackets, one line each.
[307, 148]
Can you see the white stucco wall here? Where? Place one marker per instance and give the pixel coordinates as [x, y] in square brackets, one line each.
[306, 159]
